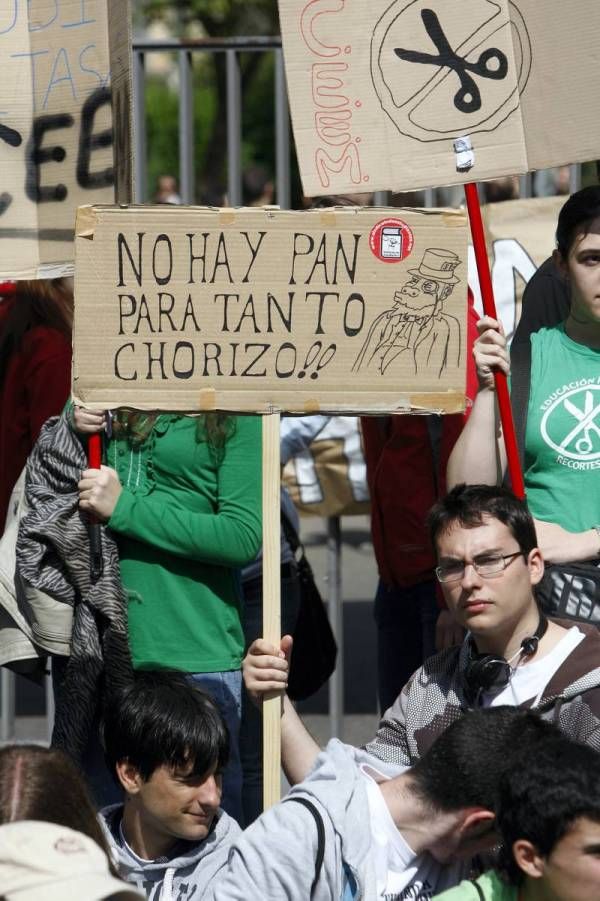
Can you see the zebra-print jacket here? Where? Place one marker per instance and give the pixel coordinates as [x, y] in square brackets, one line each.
[53, 559]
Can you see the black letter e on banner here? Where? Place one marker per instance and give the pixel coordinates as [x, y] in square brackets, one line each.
[36, 155]
[88, 141]
[13, 139]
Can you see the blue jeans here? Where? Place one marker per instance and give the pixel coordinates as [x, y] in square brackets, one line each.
[406, 619]
[226, 690]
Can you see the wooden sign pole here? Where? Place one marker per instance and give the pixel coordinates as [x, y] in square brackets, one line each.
[271, 507]
[489, 308]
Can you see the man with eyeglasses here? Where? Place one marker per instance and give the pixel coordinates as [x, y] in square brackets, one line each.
[488, 567]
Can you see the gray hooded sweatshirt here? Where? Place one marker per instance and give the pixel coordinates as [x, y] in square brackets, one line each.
[274, 858]
[184, 877]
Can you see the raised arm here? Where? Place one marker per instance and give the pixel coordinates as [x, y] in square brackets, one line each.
[265, 671]
[479, 457]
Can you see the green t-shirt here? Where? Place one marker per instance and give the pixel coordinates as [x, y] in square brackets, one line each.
[492, 889]
[185, 523]
[562, 440]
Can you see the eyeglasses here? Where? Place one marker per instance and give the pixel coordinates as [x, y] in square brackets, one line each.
[483, 564]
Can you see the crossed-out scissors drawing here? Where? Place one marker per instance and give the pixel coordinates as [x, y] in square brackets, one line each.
[586, 424]
[492, 63]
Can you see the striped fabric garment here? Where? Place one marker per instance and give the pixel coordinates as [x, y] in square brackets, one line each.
[53, 558]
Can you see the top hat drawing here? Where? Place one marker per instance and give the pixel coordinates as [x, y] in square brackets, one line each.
[438, 265]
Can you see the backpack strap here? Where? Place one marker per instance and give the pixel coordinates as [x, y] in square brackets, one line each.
[478, 889]
[320, 837]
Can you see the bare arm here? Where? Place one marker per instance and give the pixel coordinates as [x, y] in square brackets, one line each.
[299, 750]
[265, 671]
[479, 456]
[560, 546]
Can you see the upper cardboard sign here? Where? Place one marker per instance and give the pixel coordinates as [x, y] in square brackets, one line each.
[342, 310]
[56, 128]
[381, 92]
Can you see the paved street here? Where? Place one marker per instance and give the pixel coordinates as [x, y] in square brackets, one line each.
[359, 576]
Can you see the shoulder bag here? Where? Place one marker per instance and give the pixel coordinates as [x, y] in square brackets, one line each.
[314, 652]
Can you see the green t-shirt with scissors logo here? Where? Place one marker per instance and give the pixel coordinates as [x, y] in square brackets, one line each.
[562, 440]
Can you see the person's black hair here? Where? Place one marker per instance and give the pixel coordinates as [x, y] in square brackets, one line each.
[160, 719]
[462, 768]
[469, 505]
[542, 796]
[577, 214]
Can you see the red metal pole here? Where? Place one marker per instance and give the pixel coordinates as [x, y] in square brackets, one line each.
[95, 451]
[95, 532]
[489, 308]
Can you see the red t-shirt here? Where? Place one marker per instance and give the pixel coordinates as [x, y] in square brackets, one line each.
[36, 386]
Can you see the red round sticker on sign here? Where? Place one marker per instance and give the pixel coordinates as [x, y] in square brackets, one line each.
[391, 240]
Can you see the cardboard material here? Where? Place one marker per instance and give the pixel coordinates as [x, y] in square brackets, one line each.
[520, 235]
[341, 311]
[381, 91]
[329, 478]
[56, 145]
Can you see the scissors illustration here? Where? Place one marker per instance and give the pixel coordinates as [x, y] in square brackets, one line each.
[492, 63]
[585, 418]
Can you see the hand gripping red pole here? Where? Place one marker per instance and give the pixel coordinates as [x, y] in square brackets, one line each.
[94, 530]
[489, 308]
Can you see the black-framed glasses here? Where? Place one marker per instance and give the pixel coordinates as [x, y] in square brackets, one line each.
[484, 564]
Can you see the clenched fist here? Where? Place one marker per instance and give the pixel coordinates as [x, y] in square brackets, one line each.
[99, 491]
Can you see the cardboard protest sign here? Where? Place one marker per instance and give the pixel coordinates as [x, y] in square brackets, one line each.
[381, 92]
[56, 126]
[520, 236]
[329, 478]
[340, 310]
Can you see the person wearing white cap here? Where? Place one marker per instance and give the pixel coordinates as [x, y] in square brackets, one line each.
[41, 861]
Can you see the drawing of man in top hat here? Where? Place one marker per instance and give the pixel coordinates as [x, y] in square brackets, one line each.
[416, 324]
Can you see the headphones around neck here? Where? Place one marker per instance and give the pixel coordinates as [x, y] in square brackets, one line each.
[488, 673]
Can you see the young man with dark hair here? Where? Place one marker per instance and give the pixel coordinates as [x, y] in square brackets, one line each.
[488, 567]
[548, 816]
[358, 828]
[167, 745]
